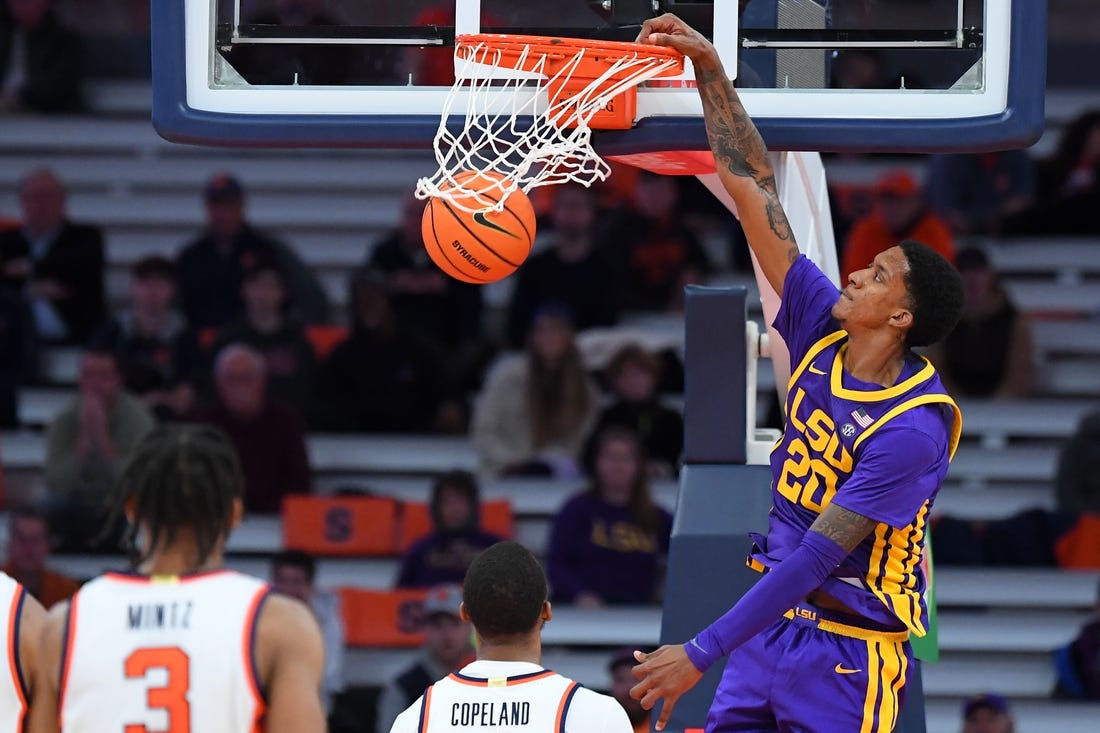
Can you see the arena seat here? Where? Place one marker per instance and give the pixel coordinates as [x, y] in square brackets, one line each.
[382, 618]
[355, 526]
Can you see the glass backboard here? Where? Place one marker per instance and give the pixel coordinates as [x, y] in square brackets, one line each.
[825, 75]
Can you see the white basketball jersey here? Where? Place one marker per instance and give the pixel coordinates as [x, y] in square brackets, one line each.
[162, 654]
[511, 697]
[13, 691]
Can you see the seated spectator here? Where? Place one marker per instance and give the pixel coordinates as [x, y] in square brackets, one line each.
[899, 212]
[456, 537]
[976, 192]
[574, 271]
[442, 312]
[536, 408]
[989, 353]
[650, 245]
[56, 264]
[1077, 484]
[987, 713]
[448, 647]
[18, 353]
[622, 680]
[608, 544]
[41, 61]
[382, 379]
[633, 375]
[87, 445]
[292, 574]
[1078, 664]
[210, 269]
[156, 351]
[269, 436]
[278, 337]
[28, 549]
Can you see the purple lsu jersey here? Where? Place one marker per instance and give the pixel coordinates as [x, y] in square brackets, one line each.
[879, 452]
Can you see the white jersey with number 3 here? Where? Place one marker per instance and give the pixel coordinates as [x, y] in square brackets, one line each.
[511, 697]
[13, 691]
[146, 654]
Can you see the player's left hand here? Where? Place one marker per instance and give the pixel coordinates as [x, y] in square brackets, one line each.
[665, 674]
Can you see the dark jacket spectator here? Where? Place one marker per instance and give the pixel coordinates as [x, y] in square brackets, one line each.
[56, 264]
[28, 550]
[573, 272]
[1078, 663]
[18, 352]
[210, 269]
[41, 61]
[269, 437]
[1077, 485]
[632, 375]
[381, 379]
[456, 537]
[989, 353]
[976, 192]
[650, 246]
[607, 544]
[156, 351]
[280, 339]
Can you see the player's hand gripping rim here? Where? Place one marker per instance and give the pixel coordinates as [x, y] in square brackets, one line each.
[665, 674]
[669, 30]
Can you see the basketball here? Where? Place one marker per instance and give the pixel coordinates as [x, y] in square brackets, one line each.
[482, 246]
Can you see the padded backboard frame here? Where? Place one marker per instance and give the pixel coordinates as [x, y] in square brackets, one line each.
[1007, 112]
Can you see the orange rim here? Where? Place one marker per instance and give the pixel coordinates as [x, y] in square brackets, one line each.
[598, 58]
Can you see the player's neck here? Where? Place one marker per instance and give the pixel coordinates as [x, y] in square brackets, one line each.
[179, 559]
[523, 650]
[876, 357]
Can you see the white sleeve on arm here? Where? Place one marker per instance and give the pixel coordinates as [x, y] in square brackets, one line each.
[591, 712]
[408, 721]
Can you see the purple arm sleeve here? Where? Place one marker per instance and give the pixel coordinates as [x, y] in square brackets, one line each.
[772, 596]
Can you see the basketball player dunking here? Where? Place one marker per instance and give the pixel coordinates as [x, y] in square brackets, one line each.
[21, 622]
[504, 596]
[821, 641]
[181, 644]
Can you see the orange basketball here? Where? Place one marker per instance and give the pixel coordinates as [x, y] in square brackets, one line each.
[484, 246]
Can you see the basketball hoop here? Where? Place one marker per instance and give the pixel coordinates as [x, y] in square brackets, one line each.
[565, 87]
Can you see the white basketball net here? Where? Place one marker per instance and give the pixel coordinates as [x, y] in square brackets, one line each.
[511, 126]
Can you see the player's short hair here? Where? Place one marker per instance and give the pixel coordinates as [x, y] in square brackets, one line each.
[181, 477]
[935, 294]
[504, 591]
[296, 559]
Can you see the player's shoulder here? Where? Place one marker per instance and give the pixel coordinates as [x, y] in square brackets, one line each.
[593, 712]
[408, 721]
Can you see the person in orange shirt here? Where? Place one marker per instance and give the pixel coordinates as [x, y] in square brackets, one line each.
[900, 212]
[28, 547]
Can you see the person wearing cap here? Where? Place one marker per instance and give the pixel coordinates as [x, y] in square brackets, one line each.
[504, 598]
[987, 713]
[990, 352]
[622, 679]
[448, 647]
[210, 268]
[899, 213]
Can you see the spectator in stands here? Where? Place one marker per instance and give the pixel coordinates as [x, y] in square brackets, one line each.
[267, 327]
[622, 680]
[268, 435]
[87, 445]
[28, 550]
[990, 351]
[608, 543]
[448, 647]
[987, 713]
[56, 264]
[1068, 184]
[976, 192]
[382, 379]
[156, 351]
[1077, 485]
[899, 212]
[41, 61]
[1078, 664]
[650, 246]
[18, 353]
[444, 313]
[633, 375]
[456, 537]
[574, 271]
[293, 573]
[210, 269]
[536, 408]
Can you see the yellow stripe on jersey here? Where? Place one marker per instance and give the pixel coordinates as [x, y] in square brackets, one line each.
[875, 395]
[891, 668]
[816, 349]
[890, 570]
[927, 399]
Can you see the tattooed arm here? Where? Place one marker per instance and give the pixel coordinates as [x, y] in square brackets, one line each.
[842, 526]
[739, 151]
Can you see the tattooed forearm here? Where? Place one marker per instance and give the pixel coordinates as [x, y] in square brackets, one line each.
[846, 528]
[777, 218]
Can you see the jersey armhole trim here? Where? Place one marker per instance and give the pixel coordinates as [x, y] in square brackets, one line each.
[68, 639]
[422, 725]
[251, 625]
[14, 660]
[563, 707]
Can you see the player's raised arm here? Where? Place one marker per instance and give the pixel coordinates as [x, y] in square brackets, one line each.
[739, 151]
[290, 656]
